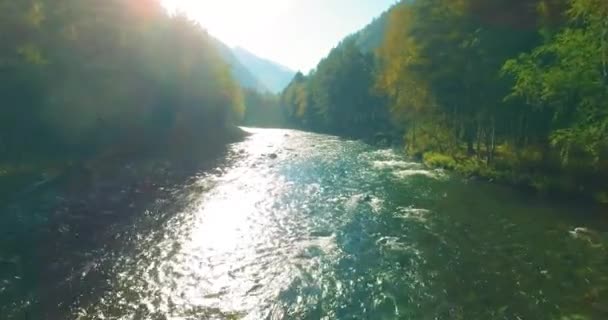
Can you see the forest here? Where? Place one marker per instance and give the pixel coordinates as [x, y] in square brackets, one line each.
[513, 91]
[107, 80]
[448, 161]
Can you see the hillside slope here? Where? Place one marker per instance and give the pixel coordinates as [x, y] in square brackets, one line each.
[240, 72]
[273, 76]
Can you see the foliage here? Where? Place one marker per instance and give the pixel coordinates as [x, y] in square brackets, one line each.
[483, 80]
[83, 78]
[338, 97]
[568, 76]
[438, 160]
[262, 109]
[514, 90]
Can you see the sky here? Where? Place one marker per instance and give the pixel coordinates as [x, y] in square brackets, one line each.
[294, 33]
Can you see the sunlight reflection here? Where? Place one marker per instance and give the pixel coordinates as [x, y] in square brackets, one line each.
[224, 220]
[230, 230]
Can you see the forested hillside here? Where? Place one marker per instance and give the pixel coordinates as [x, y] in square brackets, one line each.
[510, 90]
[338, 97]
[245, 77]
[263, 110]
[457, 168]
[81, 79]
[273, 76]
[371, 37]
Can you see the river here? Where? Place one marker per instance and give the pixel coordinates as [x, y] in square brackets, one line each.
[294, 225]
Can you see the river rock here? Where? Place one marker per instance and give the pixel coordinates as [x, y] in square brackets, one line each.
[588, 235]
[321, 234]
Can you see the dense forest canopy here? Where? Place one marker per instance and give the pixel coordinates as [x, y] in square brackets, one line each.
[338, 97]
[514, 90]
[262, 110]
[80, 78]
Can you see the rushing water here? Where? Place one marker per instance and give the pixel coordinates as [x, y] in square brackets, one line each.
[295, 225]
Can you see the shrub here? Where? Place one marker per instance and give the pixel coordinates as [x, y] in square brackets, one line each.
[438, 160]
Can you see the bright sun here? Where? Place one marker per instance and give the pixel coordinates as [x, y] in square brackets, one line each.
[233, 21]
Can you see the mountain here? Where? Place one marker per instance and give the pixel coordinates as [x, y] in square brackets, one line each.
[240, 72]
[272, 75]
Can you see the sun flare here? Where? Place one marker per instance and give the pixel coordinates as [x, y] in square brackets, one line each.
[233, 21]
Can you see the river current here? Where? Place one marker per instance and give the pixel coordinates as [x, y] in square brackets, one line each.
[294, 225]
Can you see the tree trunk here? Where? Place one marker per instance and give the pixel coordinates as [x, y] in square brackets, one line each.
[491, 148]
[469, 137]
[479, 139]
[413, 142]
[604, 35]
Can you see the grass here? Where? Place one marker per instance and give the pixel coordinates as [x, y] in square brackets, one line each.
[468, 166]
[525, 169]
[438, 160]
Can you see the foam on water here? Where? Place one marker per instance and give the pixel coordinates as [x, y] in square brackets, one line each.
[433, 174]
[411, 213]
[393, 164]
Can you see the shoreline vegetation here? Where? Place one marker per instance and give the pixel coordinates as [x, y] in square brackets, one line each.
[510, 91]
[515, 92]
[533, 180]
[20, 180]
[82, 94]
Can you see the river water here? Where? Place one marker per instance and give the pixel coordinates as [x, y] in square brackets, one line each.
[294, 225]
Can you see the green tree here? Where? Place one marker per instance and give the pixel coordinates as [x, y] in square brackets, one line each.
[85, 78]
[567, 78]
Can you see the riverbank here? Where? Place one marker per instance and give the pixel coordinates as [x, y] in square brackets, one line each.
[254, 236]
[20, 179]
[55, 224]
[524, 174]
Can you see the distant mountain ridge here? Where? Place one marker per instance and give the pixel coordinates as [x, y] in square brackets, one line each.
[243, 75]
[253, 72]
[263, 75]
[272, 75]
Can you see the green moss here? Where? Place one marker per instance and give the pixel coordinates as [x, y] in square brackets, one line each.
[438, 160]
[525, 169]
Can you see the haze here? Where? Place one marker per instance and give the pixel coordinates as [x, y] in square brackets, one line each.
[294, 33]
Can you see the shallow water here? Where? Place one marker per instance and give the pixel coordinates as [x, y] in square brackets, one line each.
[336, 229]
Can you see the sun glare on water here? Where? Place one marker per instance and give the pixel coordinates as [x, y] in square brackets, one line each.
[233, 21]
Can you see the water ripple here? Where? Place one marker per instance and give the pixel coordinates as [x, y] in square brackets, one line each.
[305, 226]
